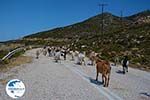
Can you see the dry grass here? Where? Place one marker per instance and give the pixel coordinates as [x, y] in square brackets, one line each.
[15, 62]
[12, 63]
[3, 81]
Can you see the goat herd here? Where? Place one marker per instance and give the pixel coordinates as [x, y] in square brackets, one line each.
[59, 53]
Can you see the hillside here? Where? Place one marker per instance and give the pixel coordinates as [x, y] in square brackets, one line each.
[87, 27]
[128, 35]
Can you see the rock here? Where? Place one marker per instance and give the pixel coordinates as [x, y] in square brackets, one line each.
[135, 49]
[138, 64]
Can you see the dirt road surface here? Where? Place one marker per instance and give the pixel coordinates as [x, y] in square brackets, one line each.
[46, 80]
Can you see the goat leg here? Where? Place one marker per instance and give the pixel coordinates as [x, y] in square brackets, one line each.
[105, 80]
[97, 76]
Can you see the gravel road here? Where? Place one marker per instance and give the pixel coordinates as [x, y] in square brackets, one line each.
[46, 80]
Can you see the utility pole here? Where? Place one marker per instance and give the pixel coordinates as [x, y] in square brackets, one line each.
[121, 18]
[102, 5]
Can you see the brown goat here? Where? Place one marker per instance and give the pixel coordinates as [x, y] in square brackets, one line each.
[104, 68]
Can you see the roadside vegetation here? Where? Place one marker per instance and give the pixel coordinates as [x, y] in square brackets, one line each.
[17, 59]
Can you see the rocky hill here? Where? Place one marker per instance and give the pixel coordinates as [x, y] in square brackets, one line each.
[87, 27]
[128, 35]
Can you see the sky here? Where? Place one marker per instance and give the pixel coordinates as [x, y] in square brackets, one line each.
[19, 18]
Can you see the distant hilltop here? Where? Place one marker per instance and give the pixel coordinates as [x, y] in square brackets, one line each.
[92, 25]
